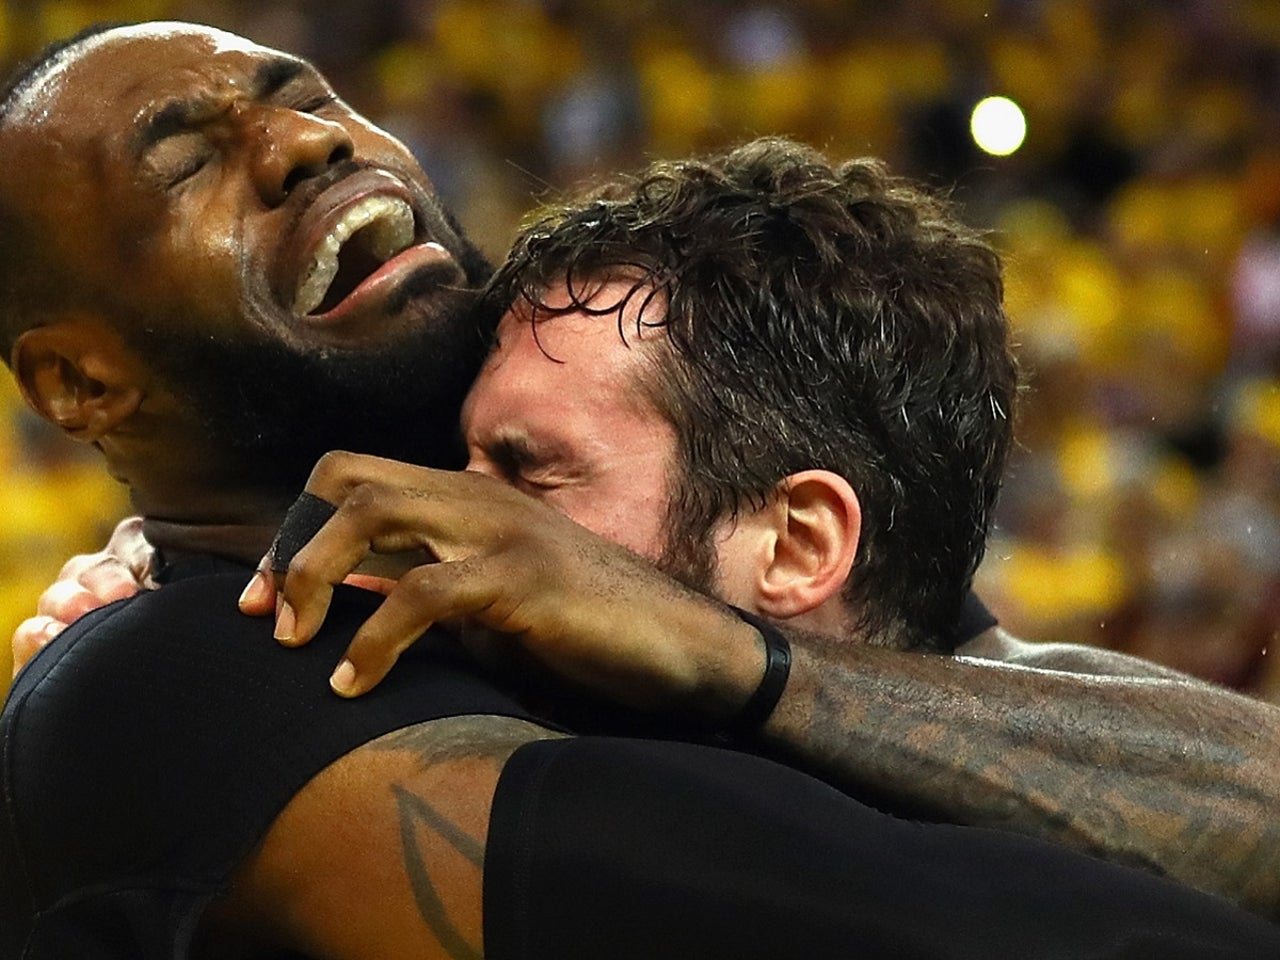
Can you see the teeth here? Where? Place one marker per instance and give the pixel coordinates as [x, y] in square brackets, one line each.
[390, 231]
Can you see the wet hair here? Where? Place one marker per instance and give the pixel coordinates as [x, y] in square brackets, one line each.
[818, 316]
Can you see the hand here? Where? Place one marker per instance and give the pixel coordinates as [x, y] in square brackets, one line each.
[588, 609]
[85, 583]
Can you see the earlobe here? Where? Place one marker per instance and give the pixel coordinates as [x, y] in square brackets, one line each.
[820, 521]
[77, 375]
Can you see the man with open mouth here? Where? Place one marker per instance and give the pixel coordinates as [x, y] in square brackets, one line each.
[214, 270]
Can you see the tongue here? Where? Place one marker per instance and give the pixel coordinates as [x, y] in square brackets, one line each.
[429, 262]
[355, 265]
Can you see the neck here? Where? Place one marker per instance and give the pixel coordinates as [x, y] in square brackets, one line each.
[213, 515]
[242, 542]
[193, 496]
[830, 618]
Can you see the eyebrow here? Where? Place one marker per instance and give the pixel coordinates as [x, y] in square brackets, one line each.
[512, 451]
[178, 115]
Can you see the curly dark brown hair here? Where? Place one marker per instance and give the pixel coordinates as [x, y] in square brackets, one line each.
[818, 316]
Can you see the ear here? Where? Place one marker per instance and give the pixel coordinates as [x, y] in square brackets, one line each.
[817, 523]
[77, 373]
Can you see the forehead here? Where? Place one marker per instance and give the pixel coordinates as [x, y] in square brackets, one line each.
[121, 71]
[569, 372]
[611, 324]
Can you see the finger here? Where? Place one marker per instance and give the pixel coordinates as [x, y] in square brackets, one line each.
[66, 601]
[423, 596]
[131, 548]
[72, 569]
[448, 513]
[332, 553]
[377, 517]
[338, 473]
[110, 579]
[364, 581]
[86, 582]
[32, 635]
[259, 596]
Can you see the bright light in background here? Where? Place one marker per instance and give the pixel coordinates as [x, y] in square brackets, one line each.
[998, 126]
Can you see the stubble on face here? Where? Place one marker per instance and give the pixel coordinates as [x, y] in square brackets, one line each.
[270, 410]
[265, 393]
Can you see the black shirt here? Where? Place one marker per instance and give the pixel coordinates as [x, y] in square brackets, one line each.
[149, 748]
[151, 745]
[633, 850]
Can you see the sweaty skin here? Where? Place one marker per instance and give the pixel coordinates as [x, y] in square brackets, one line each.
[1089, 748]
[978, 740]
[1096, 750]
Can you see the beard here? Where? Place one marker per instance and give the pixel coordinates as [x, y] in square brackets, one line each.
[688, 551]
[267, 411]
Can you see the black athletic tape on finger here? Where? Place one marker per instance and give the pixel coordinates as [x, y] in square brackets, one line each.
[303, 521]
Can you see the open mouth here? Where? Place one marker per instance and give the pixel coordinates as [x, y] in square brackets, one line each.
[369, 234]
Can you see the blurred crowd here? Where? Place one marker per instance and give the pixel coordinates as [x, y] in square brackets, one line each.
[1140, 220]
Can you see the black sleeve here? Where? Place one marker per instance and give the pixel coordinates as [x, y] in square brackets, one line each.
[636, 849]
[149, 748]
[974, 619]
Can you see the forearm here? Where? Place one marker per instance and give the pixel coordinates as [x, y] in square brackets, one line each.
[1169, 773]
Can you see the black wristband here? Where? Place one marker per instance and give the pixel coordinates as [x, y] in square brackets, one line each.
[777, 668]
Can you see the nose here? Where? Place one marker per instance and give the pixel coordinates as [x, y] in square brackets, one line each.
[289, 147]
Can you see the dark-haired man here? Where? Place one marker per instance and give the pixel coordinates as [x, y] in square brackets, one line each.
[788, 385]
[172, 781]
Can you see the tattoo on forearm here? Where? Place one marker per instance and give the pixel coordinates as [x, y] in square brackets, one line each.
[1163, 774]
[415, 813]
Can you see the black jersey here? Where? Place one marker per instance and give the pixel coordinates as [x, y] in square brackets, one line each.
[148, 749]
[634, 849]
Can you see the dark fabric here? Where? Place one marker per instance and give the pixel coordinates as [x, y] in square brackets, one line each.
[632, 849]
[149, 747]
[974, 619]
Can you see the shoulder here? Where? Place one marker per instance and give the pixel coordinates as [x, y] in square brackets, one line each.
[160, 737]
[998, 645]
[402, 822]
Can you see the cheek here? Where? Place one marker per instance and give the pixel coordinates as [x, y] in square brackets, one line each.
[629, 513]
[736, 565]
[371, 143]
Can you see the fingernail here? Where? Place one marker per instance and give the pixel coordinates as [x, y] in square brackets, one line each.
[286, 622]
[52, 629]
[255, 590]
[343, 680]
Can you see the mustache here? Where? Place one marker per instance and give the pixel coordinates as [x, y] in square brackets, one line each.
[306, 192]
[428, 279]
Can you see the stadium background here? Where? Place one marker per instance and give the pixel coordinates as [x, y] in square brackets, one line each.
[1140, 220]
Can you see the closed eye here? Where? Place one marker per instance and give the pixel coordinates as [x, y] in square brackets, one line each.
[178, 158]
[533, 485]
[520, 465]
[316, 103]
